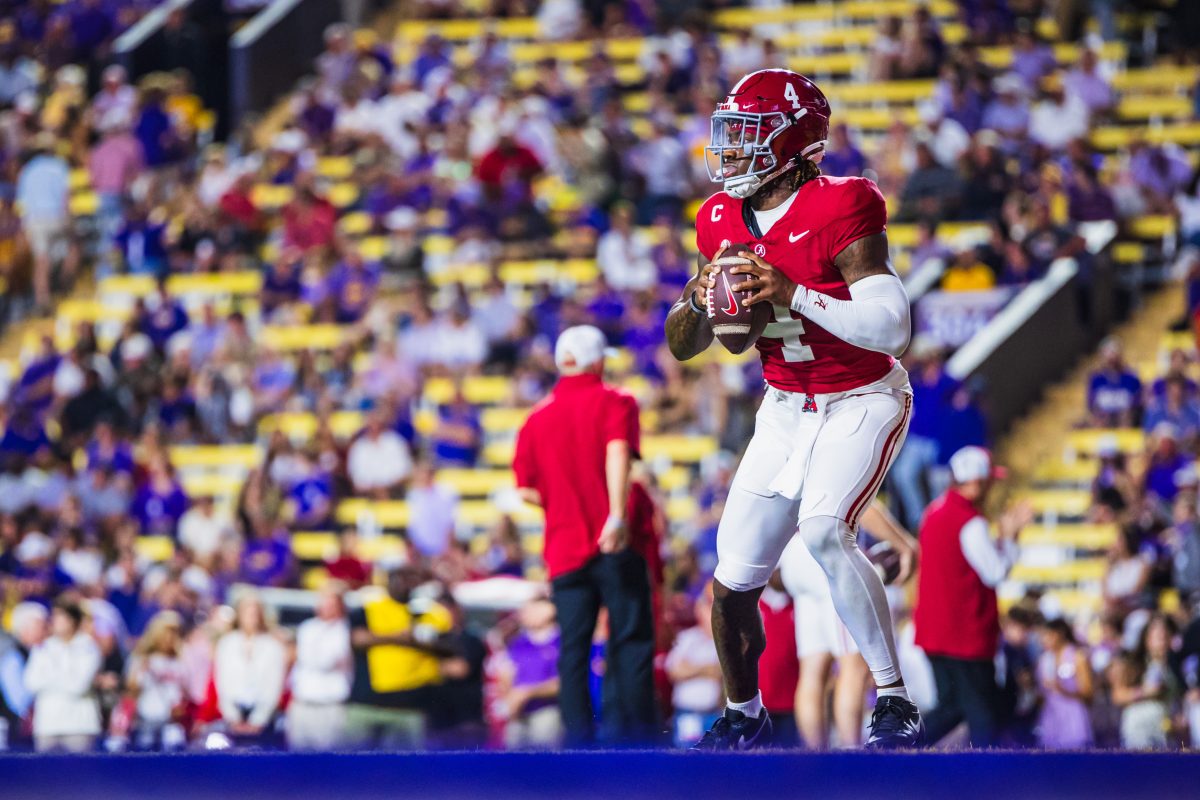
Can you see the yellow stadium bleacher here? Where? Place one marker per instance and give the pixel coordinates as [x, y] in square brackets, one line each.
[291, 338]
[1078, 571]
[1072, 503]
[478, 389]
[1087, 442]
[1079, 536]
[302, 426]
[236, 456]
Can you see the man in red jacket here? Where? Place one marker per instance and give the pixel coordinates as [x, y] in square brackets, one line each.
[573, 459]
[956, 617]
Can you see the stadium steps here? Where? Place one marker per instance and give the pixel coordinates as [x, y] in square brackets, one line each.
[1053, 463]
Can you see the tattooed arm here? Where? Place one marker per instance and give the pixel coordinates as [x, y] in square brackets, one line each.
[688, 331]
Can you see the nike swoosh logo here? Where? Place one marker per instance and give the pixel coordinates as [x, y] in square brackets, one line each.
[730, 309]
[745, 744]
[795, 237]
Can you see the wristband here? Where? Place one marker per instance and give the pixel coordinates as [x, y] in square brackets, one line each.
[614, 519]
[799, 298]
[695, 308]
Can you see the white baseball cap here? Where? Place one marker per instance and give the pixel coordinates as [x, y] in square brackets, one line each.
[580, 347]
[974, 464]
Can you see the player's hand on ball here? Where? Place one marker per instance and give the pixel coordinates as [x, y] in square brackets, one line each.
[765, 283]
[708, 277]
[615, 536]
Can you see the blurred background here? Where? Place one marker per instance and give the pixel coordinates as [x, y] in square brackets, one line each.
[282, 279]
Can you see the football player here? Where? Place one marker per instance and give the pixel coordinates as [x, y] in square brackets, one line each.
[837, 402]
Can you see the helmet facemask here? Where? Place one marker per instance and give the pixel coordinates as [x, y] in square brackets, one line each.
[739, 137]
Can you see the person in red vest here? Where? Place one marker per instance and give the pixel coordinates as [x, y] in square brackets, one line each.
[956, 616]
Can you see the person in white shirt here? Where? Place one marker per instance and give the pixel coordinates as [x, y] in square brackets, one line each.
[324, 668]
[60, 674]
[624, 254]
[158, 676]
[695, 674]
[378, 461]
[203, 531]
[433, 506]
[1057, 119]
[249, 672]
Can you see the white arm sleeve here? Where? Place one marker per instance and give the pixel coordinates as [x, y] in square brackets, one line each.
[990, 559]
[875, 318]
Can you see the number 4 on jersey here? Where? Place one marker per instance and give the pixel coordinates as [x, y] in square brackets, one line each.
[788, 331]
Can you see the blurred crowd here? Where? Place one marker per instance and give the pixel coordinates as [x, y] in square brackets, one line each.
[501, 169]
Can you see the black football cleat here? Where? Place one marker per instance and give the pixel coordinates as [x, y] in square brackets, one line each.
[896, 724]
[735, 731]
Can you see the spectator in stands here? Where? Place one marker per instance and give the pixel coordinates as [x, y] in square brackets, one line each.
[1114, 391]
[956, 617]
[1137, 692]
[433, 506]
[457, 440]
[1086, 83]
[1160, 173]
[1114, 490]
[1175, 407]
[1057, 119]
[59, 674]
[28, 629]
[842, 157]
[1032, 58]
[399, 643]
[922, 46]
[887, 50]
[1127, 575]
[695, 675]
[1008, 111]
[43, 187]
[663, 163]
[156, 677]
[932, 190]
[1066, 679]
[967, 273]
[115, 163]
[780, 673]
[1165, 459]
[528, 682]
[379, 462]
[321, 676]
[249, 672]
[624, 253]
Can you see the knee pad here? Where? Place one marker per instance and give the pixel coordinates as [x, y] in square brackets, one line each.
[827, 537]
[742, 577]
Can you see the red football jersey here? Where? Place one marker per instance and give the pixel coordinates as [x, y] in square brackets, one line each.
[826, 215]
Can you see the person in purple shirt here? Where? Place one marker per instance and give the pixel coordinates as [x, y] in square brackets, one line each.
[166, 320]
[281, 281]
[92, 25]
[459, 434]
[24, 435]
[1166, 459]
[312, 495]
[107, 452]
[932, 390]
[351, 287]
[1087, 199]
[267, 558]
[529, 679]
[35, 389]
[1114, 391]
[1032, 58]
[1174, 406]
[607, 310]
[433, 54]
[842, 158]
[159, 501]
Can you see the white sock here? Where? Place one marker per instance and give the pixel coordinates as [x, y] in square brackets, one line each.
[751, 708]
[858, 593]
[894, 691]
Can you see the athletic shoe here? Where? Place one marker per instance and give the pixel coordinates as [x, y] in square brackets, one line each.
[895, 724]
[736, 731]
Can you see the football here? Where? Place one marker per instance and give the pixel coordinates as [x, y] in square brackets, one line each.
[735, 326]
[886, 561]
